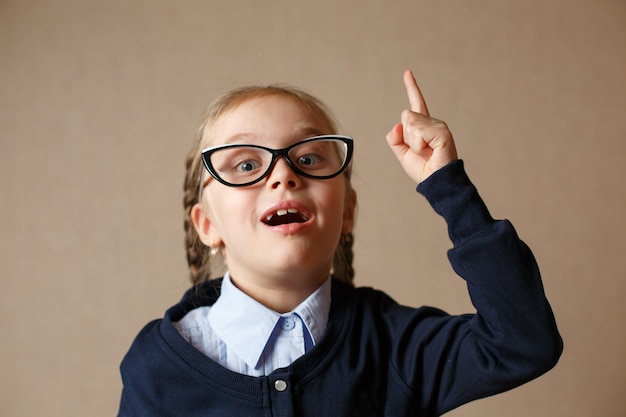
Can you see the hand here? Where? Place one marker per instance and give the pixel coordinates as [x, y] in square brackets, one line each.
[422, 144]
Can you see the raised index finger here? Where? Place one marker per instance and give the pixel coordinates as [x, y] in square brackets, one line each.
[418, 104]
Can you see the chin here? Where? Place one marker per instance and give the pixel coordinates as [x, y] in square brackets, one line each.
[301, 265]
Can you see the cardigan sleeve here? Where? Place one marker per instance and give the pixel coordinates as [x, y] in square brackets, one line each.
[451, 360]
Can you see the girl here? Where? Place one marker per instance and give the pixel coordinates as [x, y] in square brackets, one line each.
[284, 332]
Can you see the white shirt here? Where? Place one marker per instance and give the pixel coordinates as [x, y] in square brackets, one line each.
[246, 337]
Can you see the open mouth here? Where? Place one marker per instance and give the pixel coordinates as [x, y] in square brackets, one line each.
[285, 216]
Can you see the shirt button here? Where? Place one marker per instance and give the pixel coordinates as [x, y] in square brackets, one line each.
[280, 385]
[288, 323]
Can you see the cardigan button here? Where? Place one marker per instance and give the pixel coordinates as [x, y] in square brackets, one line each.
[280, 385]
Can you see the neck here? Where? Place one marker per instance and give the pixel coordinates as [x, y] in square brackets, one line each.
[279, 293]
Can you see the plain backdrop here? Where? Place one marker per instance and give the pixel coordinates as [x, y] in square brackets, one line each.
[99, 99]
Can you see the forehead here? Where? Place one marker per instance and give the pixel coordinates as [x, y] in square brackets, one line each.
[273, 116]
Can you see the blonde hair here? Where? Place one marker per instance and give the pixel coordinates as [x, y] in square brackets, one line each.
[199, 255]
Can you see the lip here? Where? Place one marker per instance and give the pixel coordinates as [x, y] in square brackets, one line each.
[288, 228]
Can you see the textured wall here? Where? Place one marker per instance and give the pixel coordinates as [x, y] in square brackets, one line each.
[98, 100]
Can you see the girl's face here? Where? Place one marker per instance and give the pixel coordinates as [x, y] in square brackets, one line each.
[294, 248]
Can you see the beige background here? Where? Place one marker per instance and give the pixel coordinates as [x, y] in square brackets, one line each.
[98, 100]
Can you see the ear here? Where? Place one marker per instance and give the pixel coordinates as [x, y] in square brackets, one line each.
[349, 211]
[204, 226]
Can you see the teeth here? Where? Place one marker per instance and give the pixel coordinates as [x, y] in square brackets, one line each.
[282, 212]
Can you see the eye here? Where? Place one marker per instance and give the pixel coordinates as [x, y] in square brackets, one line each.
[309, 159]
[247, 166]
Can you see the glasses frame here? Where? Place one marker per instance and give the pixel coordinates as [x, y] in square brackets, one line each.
[276, 153]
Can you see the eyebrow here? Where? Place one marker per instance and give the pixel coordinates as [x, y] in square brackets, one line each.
[304, 133]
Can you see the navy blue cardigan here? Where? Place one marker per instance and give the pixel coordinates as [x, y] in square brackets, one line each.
[377, 358]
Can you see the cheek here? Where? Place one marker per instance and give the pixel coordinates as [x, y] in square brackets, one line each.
[336, 198]
[211, 204]
[228, 208]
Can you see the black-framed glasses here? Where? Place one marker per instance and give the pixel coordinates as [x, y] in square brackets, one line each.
[239, 165]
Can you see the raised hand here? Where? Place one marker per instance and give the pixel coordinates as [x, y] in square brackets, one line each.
[421, 143]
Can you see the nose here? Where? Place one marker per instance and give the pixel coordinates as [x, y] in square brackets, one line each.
[283, 175]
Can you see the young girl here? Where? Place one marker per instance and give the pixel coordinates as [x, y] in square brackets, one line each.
[284, 332]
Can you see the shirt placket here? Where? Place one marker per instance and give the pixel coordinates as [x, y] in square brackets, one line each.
[281, 394]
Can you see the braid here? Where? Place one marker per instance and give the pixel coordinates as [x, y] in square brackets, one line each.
[197, 252]
[344, 256]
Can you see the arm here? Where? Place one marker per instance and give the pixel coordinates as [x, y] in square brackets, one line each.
[513, 337]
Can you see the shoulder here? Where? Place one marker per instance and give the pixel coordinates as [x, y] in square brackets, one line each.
[143, 348]
[161, 335]
[371, 306]
[344, 294]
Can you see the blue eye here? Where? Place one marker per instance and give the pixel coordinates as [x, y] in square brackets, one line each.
[309, 159]
[247, 166]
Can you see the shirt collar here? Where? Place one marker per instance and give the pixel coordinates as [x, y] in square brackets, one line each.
[245, 325]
